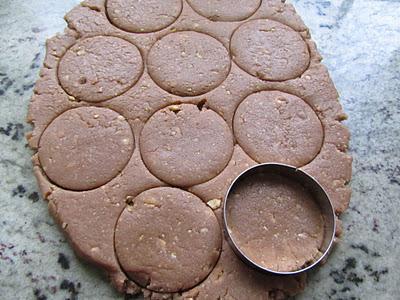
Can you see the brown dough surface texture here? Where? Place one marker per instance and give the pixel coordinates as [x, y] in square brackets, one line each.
[201, 63]
[273, 50]
[167, 240]
[275, 222]
[168, 101]
[225, 10]
[143, 16]
[185, 146]
[100, 68]
[278, 127]
[85, 147]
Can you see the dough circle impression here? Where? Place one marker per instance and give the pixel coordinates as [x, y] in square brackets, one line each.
[273, 126]
[184, 146]
[143, 16]
[270, 50]
[100, 68]
[200, 63]
[225, 10]
[167, 240]
[85, 147]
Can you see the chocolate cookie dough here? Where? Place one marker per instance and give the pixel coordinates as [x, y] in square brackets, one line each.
[166, 102]
[273, 50]
[184, 145]
[225, 10]
[99, 68]
[167, 240]
[143, 16]
[201, 63]
[278, 127]
[275, 222]
[85, 147]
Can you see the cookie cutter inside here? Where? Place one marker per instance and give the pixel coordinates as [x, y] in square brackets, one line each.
[319, 195]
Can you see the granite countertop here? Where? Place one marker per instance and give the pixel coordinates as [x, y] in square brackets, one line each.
[360, 43]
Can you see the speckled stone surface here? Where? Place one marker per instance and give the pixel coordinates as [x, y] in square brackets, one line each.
[360, 43]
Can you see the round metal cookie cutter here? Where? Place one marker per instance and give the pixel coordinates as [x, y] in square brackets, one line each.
[319, 196]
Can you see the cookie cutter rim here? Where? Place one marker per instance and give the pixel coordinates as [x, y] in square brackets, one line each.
[319, 195]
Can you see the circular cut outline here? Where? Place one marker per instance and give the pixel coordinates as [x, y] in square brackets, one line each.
[190, 96]
[104, 184]
[276, 90]
[226, 21]
[187, 187]
[113, 97]
[254, 264]
[144, 32]
[182, 189]
[270, 80]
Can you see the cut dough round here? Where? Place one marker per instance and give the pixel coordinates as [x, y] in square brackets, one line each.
[273, 126]
[167, 240]
[270, 50]
[200, 63]
[142, 16]
[85, 147]
[184, 146]
[217, 10]
[100, 68]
